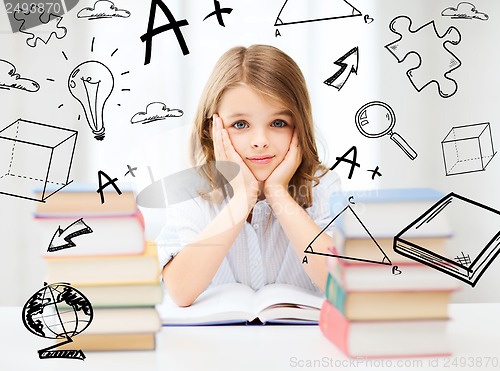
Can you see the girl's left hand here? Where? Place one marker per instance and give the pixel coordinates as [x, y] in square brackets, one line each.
[280, 177]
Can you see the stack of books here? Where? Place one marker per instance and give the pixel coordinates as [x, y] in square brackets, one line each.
[101, 251]
[380, 303]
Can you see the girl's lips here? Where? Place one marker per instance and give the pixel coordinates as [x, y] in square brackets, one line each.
[262, 160]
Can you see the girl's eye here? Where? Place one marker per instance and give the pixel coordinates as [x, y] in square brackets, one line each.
[279, 124]
[240, 125]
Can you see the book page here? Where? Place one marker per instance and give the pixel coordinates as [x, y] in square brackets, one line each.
[288, 297]
[218, 304]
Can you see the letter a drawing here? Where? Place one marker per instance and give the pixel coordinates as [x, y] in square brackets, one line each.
[173, 25]
[110, 181]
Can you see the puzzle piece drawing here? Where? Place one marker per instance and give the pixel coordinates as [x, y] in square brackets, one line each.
[435, 60]
[48, 25]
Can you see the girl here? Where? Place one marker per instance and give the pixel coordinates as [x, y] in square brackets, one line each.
[254, 112]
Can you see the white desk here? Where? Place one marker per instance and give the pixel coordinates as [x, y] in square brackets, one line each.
[474, 333]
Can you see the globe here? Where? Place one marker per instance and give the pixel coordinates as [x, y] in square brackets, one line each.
[57, 311]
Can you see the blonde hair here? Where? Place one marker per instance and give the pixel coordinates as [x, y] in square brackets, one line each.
[273, 73]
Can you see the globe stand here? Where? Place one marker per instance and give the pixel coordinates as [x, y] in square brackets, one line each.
[68, 353]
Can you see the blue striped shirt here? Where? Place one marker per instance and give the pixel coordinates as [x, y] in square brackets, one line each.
[261, 249]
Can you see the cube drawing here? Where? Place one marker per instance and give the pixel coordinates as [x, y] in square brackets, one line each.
[35, 156]
[467, 148]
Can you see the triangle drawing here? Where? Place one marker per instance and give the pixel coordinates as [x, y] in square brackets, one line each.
[303, 11]
[384, 259]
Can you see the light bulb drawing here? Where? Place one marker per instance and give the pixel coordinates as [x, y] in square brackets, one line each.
[91, 83]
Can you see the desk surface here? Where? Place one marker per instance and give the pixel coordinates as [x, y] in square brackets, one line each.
[474, 333]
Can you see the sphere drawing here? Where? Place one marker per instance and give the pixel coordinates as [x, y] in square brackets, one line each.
[57, 311]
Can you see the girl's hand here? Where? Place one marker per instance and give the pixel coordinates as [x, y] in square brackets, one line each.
[244, 182]
[280, 177]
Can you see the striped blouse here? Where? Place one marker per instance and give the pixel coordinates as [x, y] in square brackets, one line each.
[261, 253]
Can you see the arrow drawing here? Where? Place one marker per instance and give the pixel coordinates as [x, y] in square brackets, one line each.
[348, 63]
[62, 239]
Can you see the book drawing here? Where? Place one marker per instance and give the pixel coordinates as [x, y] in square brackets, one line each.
[479, 250]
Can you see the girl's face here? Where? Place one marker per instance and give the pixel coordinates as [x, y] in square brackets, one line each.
[260, 128]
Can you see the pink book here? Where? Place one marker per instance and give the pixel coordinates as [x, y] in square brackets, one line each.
[383, 339]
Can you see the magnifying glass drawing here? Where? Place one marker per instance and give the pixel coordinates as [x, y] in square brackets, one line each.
[376, 119]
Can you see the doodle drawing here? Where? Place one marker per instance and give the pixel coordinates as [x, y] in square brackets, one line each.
[376, 119]
[103, 9]
[384, 259]
[464, 10]
[60, 312]
[102, 186]
[218, 13]
[353, 163]
[155, 111]
[16, 8]
[348, 64]
[63, 238]
[467, 148]
[47, 25]
[91, 84]
[35, 156]
[292, 11]
[130, 171]
[435, 60]
[10, 79]
[172, 25]
[481, 245]
[368, 19]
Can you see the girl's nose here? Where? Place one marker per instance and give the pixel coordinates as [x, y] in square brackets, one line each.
[259, 140]
[260, 144]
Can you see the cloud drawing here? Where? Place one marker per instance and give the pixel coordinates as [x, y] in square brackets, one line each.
[103, 9]
[155, 111]
[10, 79]
[464, 10]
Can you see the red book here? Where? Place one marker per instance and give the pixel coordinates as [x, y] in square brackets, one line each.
[383, 339]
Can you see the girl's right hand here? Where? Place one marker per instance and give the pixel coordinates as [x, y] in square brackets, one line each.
[244, 182]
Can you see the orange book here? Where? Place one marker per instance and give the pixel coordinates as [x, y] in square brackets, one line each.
[79, 199]
[112, 342]
[105, 270]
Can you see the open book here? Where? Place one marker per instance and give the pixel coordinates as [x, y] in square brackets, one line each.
[238, 303]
